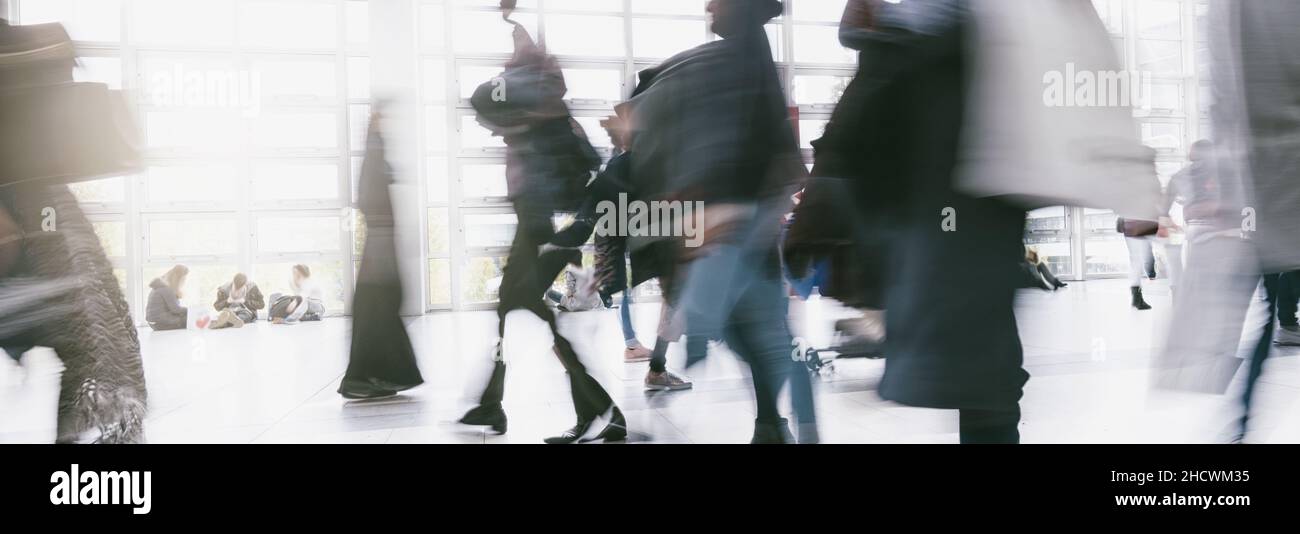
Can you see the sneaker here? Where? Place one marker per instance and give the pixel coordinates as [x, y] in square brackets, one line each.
[636, 354]
[666, 381]
[1287, 336]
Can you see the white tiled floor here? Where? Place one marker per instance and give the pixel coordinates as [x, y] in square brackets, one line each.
[1088, 352]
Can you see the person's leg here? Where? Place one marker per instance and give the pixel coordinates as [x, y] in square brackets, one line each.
[711, 286]
[1174, 255]
[990, 426]
[659, 357]
[1262, 348]
[625, 320]
[1138, 251]
[1288, 297]
[1150, 266]
[298, 310]
[1047, 275]
[757, 330]
[511, 296]
[1137, 260]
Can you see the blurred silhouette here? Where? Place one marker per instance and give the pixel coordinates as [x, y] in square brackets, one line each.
[947, 141]
[57, 287]
[548, 164]
[895, 136]
[710, 125]
[382, 361]
[612, 261]
[1254, 229]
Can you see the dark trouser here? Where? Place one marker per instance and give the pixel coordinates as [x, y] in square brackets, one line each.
[1044, 270]
[1263, 346]
[1288, 296]
[990, 426]
[525, 280]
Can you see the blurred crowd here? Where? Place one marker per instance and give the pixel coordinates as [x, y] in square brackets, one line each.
[937, 149]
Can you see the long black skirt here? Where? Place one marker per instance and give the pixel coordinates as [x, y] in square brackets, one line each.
[382, 356]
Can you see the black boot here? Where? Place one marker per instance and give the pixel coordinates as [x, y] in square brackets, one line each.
[488, 415]
[777, 433]
[1138, 301]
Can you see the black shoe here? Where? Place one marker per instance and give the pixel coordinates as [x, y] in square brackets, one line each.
[493, 417]
[1138, 301]
[615, 430]
[1062, 285]
[571, 435]
[777, 433]
[366, 393]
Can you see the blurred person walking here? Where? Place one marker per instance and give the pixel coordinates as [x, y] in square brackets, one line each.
[382, 361]
[1256, 77]
[57, 287]
[548, 164]
[951, 338]
[946, 142]
[710, 125]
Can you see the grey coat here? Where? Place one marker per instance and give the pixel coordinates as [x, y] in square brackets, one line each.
[1256, 116]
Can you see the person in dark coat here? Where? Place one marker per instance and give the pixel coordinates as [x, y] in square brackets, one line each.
[710, 125]
[951, 336]
[164, 310]
[548, 163]
[382, 361]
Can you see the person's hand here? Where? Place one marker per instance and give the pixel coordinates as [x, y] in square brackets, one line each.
[618, 130]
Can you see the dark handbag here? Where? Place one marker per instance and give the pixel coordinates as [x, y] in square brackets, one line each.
[1136, 227]
[66, 133]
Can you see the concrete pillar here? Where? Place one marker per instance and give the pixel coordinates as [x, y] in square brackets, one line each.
[394, 77]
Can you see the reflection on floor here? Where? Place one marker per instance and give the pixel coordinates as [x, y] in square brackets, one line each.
[1087, 351]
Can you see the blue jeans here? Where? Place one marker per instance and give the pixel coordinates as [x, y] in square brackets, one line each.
[625, 316]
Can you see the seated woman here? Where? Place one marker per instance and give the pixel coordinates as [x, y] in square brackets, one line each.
[1037, 274]
[307, 303]
[238, 303]
[164, 310]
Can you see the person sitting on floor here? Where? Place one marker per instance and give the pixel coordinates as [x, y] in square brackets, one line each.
[164, 310]
[307, 303]
[238, 303]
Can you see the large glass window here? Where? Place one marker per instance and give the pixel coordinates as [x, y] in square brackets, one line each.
[244, 105]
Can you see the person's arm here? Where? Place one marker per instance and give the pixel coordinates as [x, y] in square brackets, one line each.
[222, 297]
[254, 300]
[172, 302]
